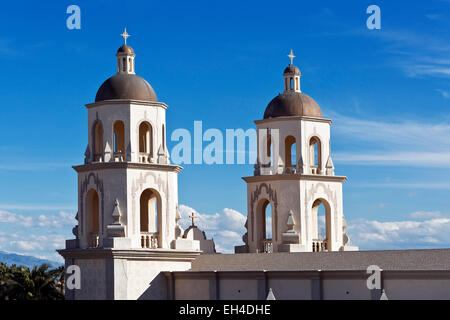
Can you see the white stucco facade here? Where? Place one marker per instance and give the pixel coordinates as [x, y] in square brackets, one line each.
[294, 173]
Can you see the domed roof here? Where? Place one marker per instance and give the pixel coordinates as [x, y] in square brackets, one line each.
[291, 69]
[291, 103]
[126, 86]
[125, 49]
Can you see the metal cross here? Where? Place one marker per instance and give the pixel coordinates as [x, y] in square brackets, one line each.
[125, 35]
[193, 216]
[291, 56]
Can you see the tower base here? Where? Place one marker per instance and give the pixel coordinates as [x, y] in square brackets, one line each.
[132, 274]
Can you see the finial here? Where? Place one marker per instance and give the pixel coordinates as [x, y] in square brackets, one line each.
[193, 216]
[125, 35]
[291, 56]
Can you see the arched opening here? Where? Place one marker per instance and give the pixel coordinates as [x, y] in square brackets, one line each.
[119, 138]
[124, 64]
[98, 141]
[92, 219]
[264, 226]
[145, 141]
[321, 228]
[315, 152]
[269, 151]
[292, 84]
[164, 136]
[297, 84]
[290, 152]
[150, 219]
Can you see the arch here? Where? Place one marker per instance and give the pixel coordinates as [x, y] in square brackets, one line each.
[92, 218]
[264, 223]
[146, 138]
[150, 218]
[315, 155]
[164, 136]
[119, 137]
[268, 151]
[290, 151]
[321, 225]
[97, 139]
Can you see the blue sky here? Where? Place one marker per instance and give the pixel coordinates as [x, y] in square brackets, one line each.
[387, 91]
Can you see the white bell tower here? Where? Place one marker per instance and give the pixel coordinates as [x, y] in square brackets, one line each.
[294, 177]
[127, 231]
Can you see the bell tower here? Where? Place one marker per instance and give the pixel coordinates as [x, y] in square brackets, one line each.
[127, 231]
[294, 198]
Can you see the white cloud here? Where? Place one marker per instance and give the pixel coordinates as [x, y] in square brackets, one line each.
[393, 143]
[57, 221]
[227, 227]
[444, 93]
[9, 217]
[429, 232]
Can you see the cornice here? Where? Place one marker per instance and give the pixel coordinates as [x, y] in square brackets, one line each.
[127, 165]
[127, 101]
[298, 177]
[291, 118]
[132, 254]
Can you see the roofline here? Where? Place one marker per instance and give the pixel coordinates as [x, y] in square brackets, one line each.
[290, 118]
[299, 177]
[127, 165]
[127, 101]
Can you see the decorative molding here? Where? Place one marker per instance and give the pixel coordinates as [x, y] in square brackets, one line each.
[127, 165]
[299, 177]
[293, 118]
[127, 102]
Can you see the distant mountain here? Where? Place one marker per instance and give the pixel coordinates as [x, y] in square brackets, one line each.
[28, 261]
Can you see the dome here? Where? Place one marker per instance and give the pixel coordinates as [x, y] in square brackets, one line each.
[125, 49]
[291, 69]
[126, 86]
[291, 103]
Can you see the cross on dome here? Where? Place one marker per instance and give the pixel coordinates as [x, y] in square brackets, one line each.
[193, 216]
[291, 56]
[125, 35]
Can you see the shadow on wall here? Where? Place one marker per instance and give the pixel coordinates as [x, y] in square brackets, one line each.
[157, 289]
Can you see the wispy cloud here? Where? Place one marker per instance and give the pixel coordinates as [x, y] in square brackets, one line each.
[33, 166]
[38, 236]
[35, 207]
[59, 220]
[422, 185]
[444, 93]
[424, 230]
[402, 143]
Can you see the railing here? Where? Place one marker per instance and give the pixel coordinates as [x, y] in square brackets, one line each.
[149, 240]
[93, 240]
[119, 157]
[267, 245]
[98, 157]
[145, 157]
[290, 170]
[315, 170]
[319, 245]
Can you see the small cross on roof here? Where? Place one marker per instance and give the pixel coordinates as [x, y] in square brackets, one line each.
[291, 56]
[125, 35]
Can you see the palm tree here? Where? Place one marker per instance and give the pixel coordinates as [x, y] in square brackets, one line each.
[37, 284]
